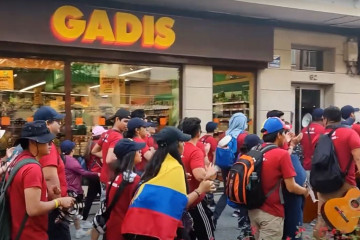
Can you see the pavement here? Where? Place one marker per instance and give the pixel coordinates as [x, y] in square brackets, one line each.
[226, 226]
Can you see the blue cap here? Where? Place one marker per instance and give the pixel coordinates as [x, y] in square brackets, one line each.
[126, 145]
[347, 110]
[211, 126]
[67, 146]
[136, 123]
[47, 113]
[251, 141]
[317, 114]
[274, 124]
[36, 131]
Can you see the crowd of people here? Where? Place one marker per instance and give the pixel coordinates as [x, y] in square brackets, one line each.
[159, 184]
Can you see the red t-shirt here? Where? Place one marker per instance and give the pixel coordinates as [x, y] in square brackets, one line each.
[141, 165]
[29, 176]
[276, 165]
[113, 225]
[315, 130]
[150, 141]
[345, 140]
[53, 159]
[200, 145]
[94, 163]
[107, 140]
[213, 144]
[193, 158]
[356, 127]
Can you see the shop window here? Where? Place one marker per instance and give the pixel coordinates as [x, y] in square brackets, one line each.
[104, 88]
[232, 92]
[25, 85]
[302, 59]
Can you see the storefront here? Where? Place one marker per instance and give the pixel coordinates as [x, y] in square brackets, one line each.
[88, 61]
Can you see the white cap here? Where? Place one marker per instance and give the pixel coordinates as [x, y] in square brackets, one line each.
[224, 141]
[98, 130]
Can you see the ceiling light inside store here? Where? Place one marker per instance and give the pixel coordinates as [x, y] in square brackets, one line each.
[32, 86]
[127, 80]
[95, 86]
[133, 72]
[15, 75]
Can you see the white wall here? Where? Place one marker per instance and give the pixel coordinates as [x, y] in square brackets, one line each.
[197, 92]
[275, 85]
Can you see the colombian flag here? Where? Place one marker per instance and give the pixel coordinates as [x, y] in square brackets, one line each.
[158, 205]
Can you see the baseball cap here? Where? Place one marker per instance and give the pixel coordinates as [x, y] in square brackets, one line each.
[252, 140]
[169, 135]
[67, 146]
[136, 123]
[47, 113]
[126, 145]
[317, 114]
[36, 131]
[347, 110]
[211, 126]
[98, 130]
[274, 124]
[121, 113]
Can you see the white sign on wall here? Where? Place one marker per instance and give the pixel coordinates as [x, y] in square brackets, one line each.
[275, 62]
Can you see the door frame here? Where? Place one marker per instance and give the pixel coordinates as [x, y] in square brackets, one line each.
[300, 86]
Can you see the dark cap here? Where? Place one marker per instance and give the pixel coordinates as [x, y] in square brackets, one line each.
[317, 114]
[211, 126]
[121, 113]
[169, 135]
[47, 113]
[136, 123]
[67, 146]
[126, 145]
[347, 110]
[251, 141]
[36, 131]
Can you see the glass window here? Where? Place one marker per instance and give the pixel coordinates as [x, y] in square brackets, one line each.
[103, 88]
[25, 85]
[302, 59]
[232, 92]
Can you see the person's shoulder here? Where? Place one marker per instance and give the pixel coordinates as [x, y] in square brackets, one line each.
[139, 140]
[277, 152]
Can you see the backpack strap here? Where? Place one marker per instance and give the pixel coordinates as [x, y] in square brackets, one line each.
[308, 133]
[6, 185]
[119, 191]
[272, 190]
[267, 148]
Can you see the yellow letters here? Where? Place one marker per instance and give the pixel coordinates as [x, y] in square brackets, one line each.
[66, 23]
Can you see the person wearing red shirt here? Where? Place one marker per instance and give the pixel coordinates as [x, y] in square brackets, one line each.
[104, 148]
[209, 138]
[347, 147]
[193, 160]
[137, 131]
[277, 165]
[311, 135]
[54, 172]
[27, 193]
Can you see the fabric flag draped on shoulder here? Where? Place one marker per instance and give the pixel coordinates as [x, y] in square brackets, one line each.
[158, 205]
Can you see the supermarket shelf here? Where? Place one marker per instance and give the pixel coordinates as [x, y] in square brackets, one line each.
[235, 109]
[227, 103]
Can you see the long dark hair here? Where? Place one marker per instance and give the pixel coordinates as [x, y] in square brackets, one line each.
[153, 167]
[124, 164]
[130, 134]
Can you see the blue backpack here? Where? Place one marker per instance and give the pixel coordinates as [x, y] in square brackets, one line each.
[225, 157]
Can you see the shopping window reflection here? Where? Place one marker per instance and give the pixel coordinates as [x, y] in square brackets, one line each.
[25, 85]
[104, 88]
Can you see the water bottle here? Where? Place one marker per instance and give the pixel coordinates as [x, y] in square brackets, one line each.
[253, 179]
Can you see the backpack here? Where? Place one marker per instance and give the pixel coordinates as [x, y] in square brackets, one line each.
[225, 157]
[243, 184]
[326, 175]
[5, 218]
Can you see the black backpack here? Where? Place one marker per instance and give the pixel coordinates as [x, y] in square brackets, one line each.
[326, 175]
[244, 179]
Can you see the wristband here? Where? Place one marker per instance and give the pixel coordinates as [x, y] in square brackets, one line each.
[197, 192]
[57, 204]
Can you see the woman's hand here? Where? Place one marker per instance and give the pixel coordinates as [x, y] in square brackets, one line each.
[206, 186]
[66, 202]
[211, 172]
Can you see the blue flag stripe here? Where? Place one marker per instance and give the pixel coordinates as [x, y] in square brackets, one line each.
[153, 197]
